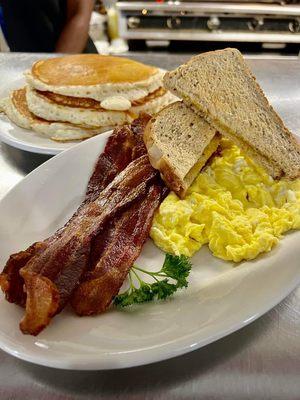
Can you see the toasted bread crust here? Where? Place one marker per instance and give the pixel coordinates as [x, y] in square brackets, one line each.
[274, 147]
[168, 169]
[167, 173]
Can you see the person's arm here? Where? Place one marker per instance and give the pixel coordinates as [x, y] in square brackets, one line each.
[74, 35]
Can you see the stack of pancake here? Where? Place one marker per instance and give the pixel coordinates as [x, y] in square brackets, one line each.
[75, 97]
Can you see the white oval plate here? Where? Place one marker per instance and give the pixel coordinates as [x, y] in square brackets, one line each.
[219, 300]
[26, 139]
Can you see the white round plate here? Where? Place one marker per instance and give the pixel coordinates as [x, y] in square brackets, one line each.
[219, 300]
[26, 139]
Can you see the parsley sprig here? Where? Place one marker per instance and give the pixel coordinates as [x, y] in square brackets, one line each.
[172, 276]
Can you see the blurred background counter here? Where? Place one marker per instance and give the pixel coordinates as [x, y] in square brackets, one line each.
[254, 26]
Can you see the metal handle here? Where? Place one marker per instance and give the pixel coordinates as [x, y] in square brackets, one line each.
[173, 22]
[213, 23]
[294, 26]
[133, 22]
[255, 24]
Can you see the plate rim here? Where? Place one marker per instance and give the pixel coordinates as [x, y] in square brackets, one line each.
[137, 357]
[17, 143]
[144, 356]
[21, 145]
[56, 156]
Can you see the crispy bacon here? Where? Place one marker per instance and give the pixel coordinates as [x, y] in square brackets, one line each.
[123, 146]
[121, 243]
[10, 281]
[51, 276]
[92, 253]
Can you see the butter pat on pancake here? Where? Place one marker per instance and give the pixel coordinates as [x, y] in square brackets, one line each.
[44, 106]
[55, 107]
[95, 76]
[15, 107]
[119, 103]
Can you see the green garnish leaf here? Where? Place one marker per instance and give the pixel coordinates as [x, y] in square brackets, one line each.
[174, 272]
[177, 268]
[134, 296]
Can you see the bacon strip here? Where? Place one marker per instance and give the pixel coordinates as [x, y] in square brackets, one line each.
[51, 276]
[122, 242]
[10, 280]
[98, 245]
[123, 146]
[118, 153]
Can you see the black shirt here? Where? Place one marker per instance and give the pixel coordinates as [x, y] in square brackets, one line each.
[35, 25]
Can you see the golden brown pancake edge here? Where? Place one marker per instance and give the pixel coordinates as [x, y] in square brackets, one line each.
[91, 104]
[18, 98]
[90, 69]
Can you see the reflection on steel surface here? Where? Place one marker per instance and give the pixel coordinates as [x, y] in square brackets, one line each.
[262, 361]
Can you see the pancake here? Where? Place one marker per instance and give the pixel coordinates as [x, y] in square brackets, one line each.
[69, 101]
[153, 103]
[151, 96]
[84, 102]
[63, 132]
[15, 107]
[90, 69]
[94, 76]
[55, 107]
[44, 105]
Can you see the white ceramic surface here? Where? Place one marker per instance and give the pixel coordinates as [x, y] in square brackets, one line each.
[28, 140]
[219, 300]
[25, 139]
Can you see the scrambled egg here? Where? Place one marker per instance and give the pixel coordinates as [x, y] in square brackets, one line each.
[233, 206]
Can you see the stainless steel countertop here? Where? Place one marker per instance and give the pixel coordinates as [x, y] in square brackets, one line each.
[260, 362]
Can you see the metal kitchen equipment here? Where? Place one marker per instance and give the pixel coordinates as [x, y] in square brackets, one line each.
[260, 21]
